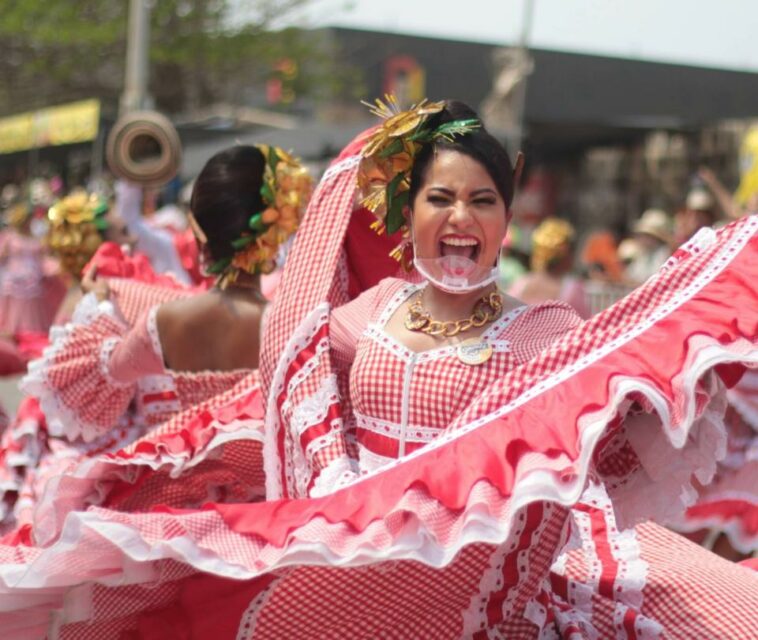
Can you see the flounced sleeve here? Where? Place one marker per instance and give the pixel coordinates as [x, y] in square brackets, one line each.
[86, 379]
[307, 450]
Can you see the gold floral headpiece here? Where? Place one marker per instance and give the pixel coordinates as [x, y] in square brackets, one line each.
[285, 190]
[551, 240]
[384, 175]
[77, 223]
[17, 214]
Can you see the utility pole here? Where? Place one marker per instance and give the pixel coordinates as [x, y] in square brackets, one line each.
[135, 96]
[526, 63]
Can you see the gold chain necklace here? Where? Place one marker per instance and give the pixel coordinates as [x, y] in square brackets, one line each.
[486, 309]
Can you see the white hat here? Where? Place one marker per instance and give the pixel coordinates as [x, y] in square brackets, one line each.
[656, 223]
[699, 200]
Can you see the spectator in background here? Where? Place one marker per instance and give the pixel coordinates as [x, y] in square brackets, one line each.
[652, 237]
[599, 259]
[699, 211]
[743, 203]
[28, 296]
[552, 261]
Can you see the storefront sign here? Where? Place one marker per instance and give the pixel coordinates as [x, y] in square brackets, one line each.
[66, 124]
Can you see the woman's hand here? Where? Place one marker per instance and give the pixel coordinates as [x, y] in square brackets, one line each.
[92, 284]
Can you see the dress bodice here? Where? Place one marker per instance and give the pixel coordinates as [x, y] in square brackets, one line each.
[402, 400]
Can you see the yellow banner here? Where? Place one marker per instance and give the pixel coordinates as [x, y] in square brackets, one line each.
[66, 124]
[17, 133]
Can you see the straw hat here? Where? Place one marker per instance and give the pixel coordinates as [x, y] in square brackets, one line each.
[656, 223]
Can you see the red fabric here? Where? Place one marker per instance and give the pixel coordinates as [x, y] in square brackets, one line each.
[112, 262]
[11, 361]
[189, 255]
[31, 345]
[368, 254]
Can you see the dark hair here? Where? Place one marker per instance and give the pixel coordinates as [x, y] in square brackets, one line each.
[226, 194]
[478, 144]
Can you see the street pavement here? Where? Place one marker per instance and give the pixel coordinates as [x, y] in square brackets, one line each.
[10, 396]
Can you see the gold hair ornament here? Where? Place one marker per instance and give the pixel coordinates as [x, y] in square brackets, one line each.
[77, 223]
[551, 241]
[285, 190]
[390, 151]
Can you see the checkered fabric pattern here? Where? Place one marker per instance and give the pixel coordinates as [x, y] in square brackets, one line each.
[679, 591]
[309, 281]
[133, 298]
[189, 460]
[384, 599]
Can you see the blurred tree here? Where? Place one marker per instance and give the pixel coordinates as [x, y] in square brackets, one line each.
[202, 52]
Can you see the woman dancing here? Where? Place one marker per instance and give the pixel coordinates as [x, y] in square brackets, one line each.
[139, 352]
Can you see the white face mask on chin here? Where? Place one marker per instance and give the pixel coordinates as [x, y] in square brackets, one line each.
[454, 274]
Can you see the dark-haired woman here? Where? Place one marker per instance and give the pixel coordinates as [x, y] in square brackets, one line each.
[456, 436]
[139, 353]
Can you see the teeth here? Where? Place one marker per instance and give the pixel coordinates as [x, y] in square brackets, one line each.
[460, 242]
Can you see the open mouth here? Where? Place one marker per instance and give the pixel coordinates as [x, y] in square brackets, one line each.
[460, 246]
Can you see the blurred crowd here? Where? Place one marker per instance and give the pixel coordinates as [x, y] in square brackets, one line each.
[590, 271]
[48, 236]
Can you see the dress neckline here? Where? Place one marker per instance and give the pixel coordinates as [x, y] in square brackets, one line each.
[406, 292]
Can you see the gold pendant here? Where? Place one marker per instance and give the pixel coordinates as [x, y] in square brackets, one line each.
[474, 351]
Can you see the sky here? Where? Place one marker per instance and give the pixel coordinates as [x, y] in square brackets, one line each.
[722, 33]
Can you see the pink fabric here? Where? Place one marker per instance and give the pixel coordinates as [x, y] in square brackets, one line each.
[22, 270]
[571, 292]
[138, 354]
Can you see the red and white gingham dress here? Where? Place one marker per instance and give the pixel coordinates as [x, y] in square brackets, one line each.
[403, 400]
